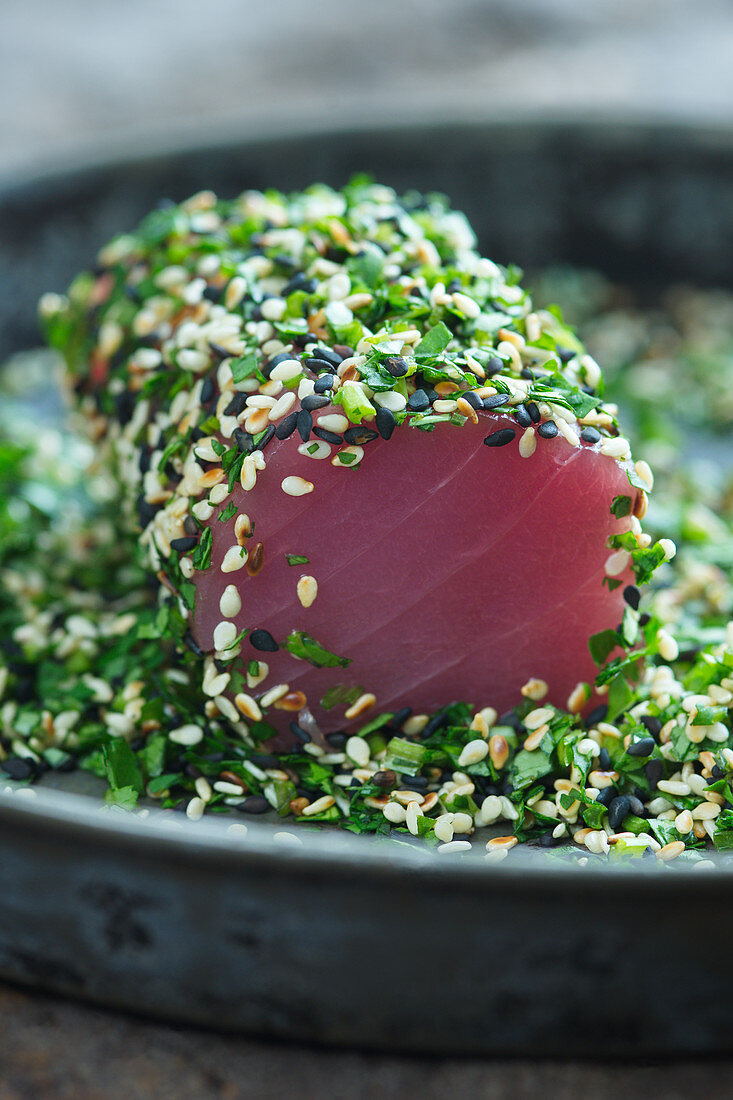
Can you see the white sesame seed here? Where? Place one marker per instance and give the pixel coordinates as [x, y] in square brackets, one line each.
[190, 359]
[394, 812]
[668, 648]
[528, 443]
[472, 753]
[617, 562]
[669, 548]
[230, 603]
[219, 493]
[415, 724]
[468, 307]
[447, 406]
[673, 787]
[707, 811]
[234, 559]
[274, 694]
[643, 470]
[263, 671]
[282, 406]
[537, 718]
[443, 828]
[186, 735]
[454, 846]
[203, 788]
[296, 486]
[357, 749]
[412, 813]
[490, 810]
[339, 286]
[343, 456]
[317, 449]
[391, 399]
[225, 634]
[273, 309]
[307, 590]
[306, 387]
[195, 809]
[683, 822]
[671, 851]
[333, 422]
[617, 447]
[462, 823]
[536, 689]
[287, 369]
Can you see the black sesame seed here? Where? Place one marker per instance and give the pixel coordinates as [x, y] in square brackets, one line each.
[303, 338]
[17, 768]
[299, 282]
[396, 365]
[653, 772]
[287, 426]
[385, 422]
[590, 435]
[360, 436]
[326, 436]
[494, 366]
[304, 424]
[323, 384]
[125, 406]
[494, 400]
[144, 461]
[326, 355]
[263, 641]
[618, 811]
[303, 736]
[636, 806]
[472, 399]
[400, 716]
[255, 804]
[191, 644]
[413, 783]
[632, 595]
[265, 760]
[653, 725]
[208, 389]
[185, 544]
[436, 723]
[266, 436]
[219, 351]
[716, 773]
[245, 442]
[235, 406]
[500, 438]
[528, 373]
[606, 796]
[548, 430]
[314, 401]
[213, 293]
[565, 354]
[336, 740]
[598, 715]
[418, 401]
[145, 511]
[644, 619]
[534, 412]
[643, 747]
[190, 526]
[604, 760]
[523, 418]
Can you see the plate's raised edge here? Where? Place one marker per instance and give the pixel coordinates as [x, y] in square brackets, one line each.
[146, 146]
[79, 821]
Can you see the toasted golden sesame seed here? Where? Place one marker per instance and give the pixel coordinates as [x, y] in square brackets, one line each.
[406, 797]
[671, 851]
[535, 739]
[292, 701]
[248, 706]
[535, 689]
[296, 486]
[242, 528]
[683, 822]
[319, 806]
[498, 750]
[501, 843]
[578, 697]
[467, 410]
[363, 703]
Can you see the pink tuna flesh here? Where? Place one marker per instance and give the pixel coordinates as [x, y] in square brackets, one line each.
[446, 570]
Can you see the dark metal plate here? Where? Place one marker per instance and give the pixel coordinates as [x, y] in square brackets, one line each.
[339, 938]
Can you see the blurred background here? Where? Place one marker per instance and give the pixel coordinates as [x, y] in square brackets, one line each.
[106, 71]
